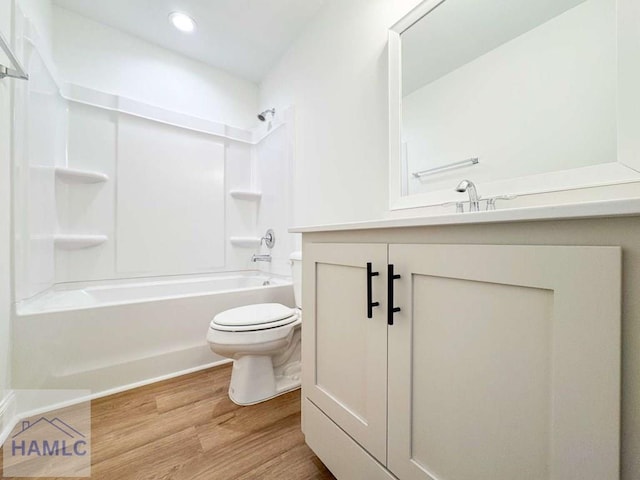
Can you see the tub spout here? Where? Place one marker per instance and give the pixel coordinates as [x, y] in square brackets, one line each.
[261, 258]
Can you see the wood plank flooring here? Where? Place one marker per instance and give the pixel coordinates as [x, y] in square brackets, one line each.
[186, 428]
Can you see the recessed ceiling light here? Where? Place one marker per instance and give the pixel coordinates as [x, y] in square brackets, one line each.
[182, 22]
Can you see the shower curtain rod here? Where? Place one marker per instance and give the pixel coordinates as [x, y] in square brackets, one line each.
[17, 71]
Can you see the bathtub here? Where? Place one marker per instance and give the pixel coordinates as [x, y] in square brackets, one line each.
[114, 335]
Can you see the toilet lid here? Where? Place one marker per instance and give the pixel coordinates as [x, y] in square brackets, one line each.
[256, 316]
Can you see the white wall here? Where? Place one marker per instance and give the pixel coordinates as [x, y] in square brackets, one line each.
[542, 102]
[5, 222]
[336, 76]
[93, 55]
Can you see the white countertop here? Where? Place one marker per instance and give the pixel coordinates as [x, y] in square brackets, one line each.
[599, 209]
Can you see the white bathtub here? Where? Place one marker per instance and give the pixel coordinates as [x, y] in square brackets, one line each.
[109, 336]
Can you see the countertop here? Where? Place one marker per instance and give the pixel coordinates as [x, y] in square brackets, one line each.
[598, 209]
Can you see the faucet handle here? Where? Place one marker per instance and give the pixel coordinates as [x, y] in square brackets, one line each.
[491, 201]
[269, 238]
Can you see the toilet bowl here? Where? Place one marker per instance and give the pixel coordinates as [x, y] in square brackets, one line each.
[263, 340]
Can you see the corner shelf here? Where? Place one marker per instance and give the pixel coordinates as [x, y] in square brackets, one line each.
[78, 242]
[74, 175]
[246, 195]
[246, 242]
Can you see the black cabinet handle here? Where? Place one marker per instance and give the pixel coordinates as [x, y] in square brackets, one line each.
[390, 308]
[370, 302]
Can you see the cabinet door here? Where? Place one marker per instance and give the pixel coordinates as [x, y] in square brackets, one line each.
[504, 363]
[344, 352]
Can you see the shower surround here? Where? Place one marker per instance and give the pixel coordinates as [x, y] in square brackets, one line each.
[124, 219]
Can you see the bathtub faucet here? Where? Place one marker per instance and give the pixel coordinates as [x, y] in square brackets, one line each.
[261, 258]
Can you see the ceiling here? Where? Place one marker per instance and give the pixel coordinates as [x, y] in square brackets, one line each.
[243, 37]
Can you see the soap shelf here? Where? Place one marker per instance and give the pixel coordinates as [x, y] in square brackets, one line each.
[246, 195]
[74, 175]
[78, 242]
[246, 242]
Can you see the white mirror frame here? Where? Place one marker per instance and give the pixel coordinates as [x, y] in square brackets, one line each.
[624, 169]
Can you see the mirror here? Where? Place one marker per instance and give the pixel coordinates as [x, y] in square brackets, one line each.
[518, 96]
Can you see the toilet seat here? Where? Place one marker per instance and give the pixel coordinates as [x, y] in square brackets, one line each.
[260, 316]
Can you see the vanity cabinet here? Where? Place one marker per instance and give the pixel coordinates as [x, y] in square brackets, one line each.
[345, 352]
[496, 362]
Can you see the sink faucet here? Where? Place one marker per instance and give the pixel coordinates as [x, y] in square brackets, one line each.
[261, 258]
[474, 200]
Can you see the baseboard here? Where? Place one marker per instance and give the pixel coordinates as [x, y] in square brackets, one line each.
[11, 413]
[8, 417]
[149, 381]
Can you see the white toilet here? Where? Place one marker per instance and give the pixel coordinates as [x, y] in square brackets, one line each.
[264, 342]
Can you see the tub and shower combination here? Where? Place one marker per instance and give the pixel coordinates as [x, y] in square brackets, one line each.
[112, 335]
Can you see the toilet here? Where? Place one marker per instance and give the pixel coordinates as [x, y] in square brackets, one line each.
[264, 342]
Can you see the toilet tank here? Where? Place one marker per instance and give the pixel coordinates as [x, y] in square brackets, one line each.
[296, 275]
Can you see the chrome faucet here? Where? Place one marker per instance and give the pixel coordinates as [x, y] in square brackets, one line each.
[261, 258]
[474, 199]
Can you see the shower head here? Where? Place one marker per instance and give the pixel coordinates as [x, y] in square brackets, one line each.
[263, 116]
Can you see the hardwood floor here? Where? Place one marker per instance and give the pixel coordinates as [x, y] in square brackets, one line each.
[187, 429]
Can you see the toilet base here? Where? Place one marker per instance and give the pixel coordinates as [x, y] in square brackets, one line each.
[254, 379]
